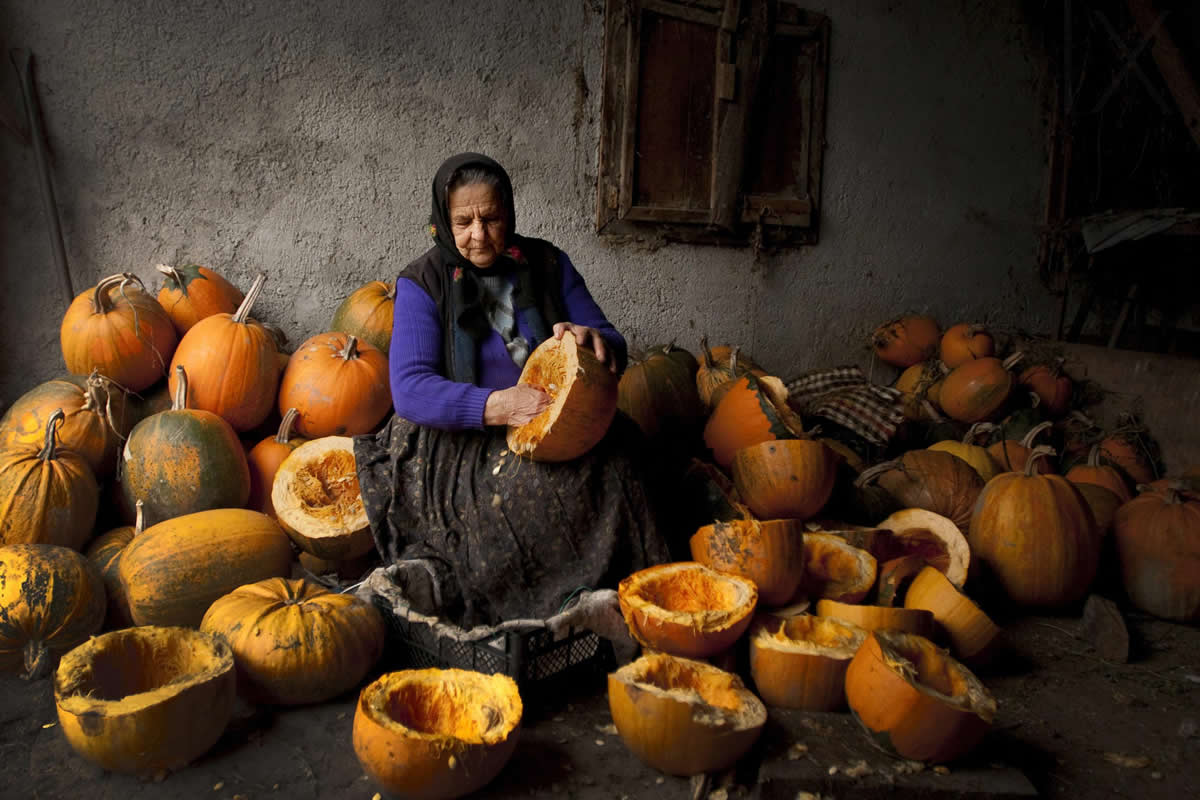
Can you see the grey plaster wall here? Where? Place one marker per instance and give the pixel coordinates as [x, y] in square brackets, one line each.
[299, 138]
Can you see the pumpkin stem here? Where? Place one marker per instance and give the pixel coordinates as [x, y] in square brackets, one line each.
[1035, 399]
[1012, 360]
[243, 311]
[871, 473]
[179, 401]
[1041, 451]
[978, 429]
[51, 444]
[391, 292]
[139, 523]
[173, 276]
[101, 304]
[705, 353]
[285, 426]
[37, 660]
[350, 351]
[1027, 442]
[1093, 459]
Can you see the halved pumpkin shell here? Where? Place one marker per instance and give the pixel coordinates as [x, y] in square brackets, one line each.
[916, 700]
[583, 394]
[436, 733]
[686, 609]
[145, 699]
[970, 630]
[318, 501]
[801, 662]
[681, 716]
[879, 618]
[771, 554]
[835, 569]
[933, 537]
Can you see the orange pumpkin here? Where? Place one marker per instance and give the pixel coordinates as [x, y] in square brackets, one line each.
[232, 363]
[929, 479]
[97, 416]
[912, 696]
[718, 367]
[906, 340]
[264, 460]
[1052, 387]
[295, 642]
[1158, 542]
[192, 292]
[184, 460]
[769, 553]
[965, 342]
[47, 495]
[338, 385]
[1103, 504]
[792, 478]
[658, 391]
[835, 569]
[105, 554]
[753, 410]
[116, 327]
[367, 314]
[1038, 536]
[1012, 456]
[801, 662]
[686, 609]
[1128, 451]
[978, 457]
[977, 390]
[1098, 474]
[920, 386]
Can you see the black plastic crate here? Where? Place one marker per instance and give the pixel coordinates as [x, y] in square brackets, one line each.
[533, 657]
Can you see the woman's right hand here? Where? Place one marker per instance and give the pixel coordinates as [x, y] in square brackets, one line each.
[515, 405]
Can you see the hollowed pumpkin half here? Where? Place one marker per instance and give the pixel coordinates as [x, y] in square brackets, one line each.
[933, 537]
[686, 609]
[145, 699]
[583, 395]
[879, 618]
[835, 569]
[318, 501]
[436, 733]
[970, 630]
[681, 716]
[801, 662]
[771, 554]
[916, 700]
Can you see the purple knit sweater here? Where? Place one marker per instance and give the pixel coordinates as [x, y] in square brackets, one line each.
[421, 394]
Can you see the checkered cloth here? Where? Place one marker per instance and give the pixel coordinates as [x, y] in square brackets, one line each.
[845, 396]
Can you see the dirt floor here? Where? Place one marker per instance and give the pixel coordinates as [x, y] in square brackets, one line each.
[1070, 725]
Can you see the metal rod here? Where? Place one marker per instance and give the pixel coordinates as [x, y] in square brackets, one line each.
[23, 60]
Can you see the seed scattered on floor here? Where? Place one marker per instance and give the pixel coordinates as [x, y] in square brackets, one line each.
[857, 770]
[718, 794]
[1126, 761]
[797, 750]
[1156, 776]
[600, 742]
[940, 770]
[49, 725]
[610, 729]
[910, 768]
[833, 770]
[496, 469]
[218, 786]
[495, 500]
[660, 780]
[560, 719]
[377, 796]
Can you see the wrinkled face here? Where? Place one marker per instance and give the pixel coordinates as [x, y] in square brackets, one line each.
[479, 223]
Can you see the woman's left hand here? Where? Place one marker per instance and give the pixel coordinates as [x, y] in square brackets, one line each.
[588, 337]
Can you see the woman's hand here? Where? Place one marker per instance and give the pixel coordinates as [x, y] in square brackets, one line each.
[588, 337]
[515, 405]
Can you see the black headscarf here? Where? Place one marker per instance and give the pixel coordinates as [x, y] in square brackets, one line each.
[452, 280]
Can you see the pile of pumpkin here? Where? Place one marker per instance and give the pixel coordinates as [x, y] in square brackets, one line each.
[939, 520]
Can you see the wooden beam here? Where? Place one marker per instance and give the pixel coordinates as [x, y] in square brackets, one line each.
[1171, 65]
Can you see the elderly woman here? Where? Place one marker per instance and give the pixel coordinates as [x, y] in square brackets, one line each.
[496, 537]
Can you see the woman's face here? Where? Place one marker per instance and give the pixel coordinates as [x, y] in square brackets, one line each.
[479, 223]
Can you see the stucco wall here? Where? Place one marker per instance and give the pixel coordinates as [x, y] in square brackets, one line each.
[299, 138]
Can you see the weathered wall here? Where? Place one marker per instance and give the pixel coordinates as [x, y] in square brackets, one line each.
[299, 138]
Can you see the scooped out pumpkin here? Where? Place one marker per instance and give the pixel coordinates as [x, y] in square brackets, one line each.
[318, 502]
[801, 662]
[771, 554]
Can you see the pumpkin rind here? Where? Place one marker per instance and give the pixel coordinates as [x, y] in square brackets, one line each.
[976, 390]
[105, 554]
[143, 700]
[190, 293]
[879, 618]
[753, 410]
[264, 459]
[1158, 543]
[367, 313]
[118, 329]
[295, 642]
[913, 697]
[681, 716]
[934, 537]
[791, 479]
[801, 662]
[175, 570]
[836, 569]
[48, 495]
[770, 553]
[932, 480]
[436, 734]
[686, 609]
[583, 402]
[51, 599]
[971, 632]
